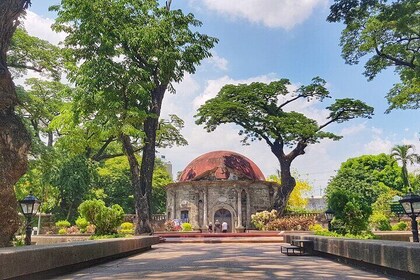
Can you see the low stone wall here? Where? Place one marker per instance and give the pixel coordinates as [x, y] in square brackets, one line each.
[37, 262]
[398, 256]
[58, 238]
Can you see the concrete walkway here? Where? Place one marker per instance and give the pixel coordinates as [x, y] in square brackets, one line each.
[221, 261]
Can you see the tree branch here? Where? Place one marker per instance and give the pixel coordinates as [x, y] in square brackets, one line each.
[397, 61]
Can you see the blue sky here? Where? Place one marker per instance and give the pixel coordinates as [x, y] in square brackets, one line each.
[264, 40]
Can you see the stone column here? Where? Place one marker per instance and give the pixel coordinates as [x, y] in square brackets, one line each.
[205, 222]
[248, 209]
[174, 206]
[239, 208]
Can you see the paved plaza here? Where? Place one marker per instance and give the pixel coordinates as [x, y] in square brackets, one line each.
[221, 261]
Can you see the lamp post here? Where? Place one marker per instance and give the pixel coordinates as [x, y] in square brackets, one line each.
[29, 206]
[411, 205]
[329, 215]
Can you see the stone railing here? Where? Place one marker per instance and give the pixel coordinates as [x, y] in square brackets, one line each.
[43, 261]
[396, 256]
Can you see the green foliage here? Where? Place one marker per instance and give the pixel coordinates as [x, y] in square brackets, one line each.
[107, 236]
[31, 53]
[401, 226]
[405, 154]
[63, 224]
[114, 182]
[127, 228]
[62, 231]
[364, 235]
[350, 209]
[261, 219]
[73, 180]
[82, 224]
[105, 219]
[317, 228]
[362, 186]
[186, 227]
[379, 221]
[387, 32]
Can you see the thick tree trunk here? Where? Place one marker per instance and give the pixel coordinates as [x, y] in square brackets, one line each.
[288, 183]
[14, 139]
[143, 206]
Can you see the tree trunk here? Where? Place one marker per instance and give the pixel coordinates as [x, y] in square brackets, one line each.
[143, 206]
[286, 187]
[14, 139]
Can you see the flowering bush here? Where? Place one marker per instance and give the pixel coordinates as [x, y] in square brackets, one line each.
[291, 223]
[262, 219]
[170, 226]
[73, 230]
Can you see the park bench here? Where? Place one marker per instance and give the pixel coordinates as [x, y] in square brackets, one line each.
[298, 247]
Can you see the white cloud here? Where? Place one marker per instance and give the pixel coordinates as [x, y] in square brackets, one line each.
[354, 129]
[378, 145]
[41, 27]
[214, 86]
[219, 62]
[271, 13]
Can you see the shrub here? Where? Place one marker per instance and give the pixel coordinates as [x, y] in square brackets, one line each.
[262, 219]
[63, 224]
[82, 224]
[316, 228]
[105, 219]
[62, 231]
[90, 229]
[291, 223]
[379, 221]
[186, 227]
[170, 226]
[73, 230]
[126, 228]
[400, 226]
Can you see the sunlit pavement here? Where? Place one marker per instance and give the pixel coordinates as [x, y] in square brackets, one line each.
[222, 261]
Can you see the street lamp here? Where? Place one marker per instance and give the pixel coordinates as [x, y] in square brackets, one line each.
[411, 205]
[29, 206]
[329, 215]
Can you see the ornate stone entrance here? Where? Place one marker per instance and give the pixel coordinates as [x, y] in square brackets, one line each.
[224, 215]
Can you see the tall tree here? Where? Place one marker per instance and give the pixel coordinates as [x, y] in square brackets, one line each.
[406, 155]
[389, 31]
[260, 110]
[14, 139]
[126, 54]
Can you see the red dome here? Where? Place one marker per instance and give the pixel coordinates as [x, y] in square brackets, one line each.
[221, 165]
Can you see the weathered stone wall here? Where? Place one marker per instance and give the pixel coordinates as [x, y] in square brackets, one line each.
[25, 262]
[396, 255]
[203, 198]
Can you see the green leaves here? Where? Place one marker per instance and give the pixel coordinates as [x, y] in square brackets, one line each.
[259, 109]
[387, 32]
[31, 53]
[346, 109]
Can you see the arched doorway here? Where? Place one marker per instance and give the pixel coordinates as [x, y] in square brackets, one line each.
[224, 215]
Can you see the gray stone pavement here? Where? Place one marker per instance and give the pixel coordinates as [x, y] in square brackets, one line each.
[221, 261]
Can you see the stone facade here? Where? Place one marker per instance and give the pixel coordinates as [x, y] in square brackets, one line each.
[202, 202]
[232, 199]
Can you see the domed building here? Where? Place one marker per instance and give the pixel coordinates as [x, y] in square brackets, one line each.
[219, 185]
